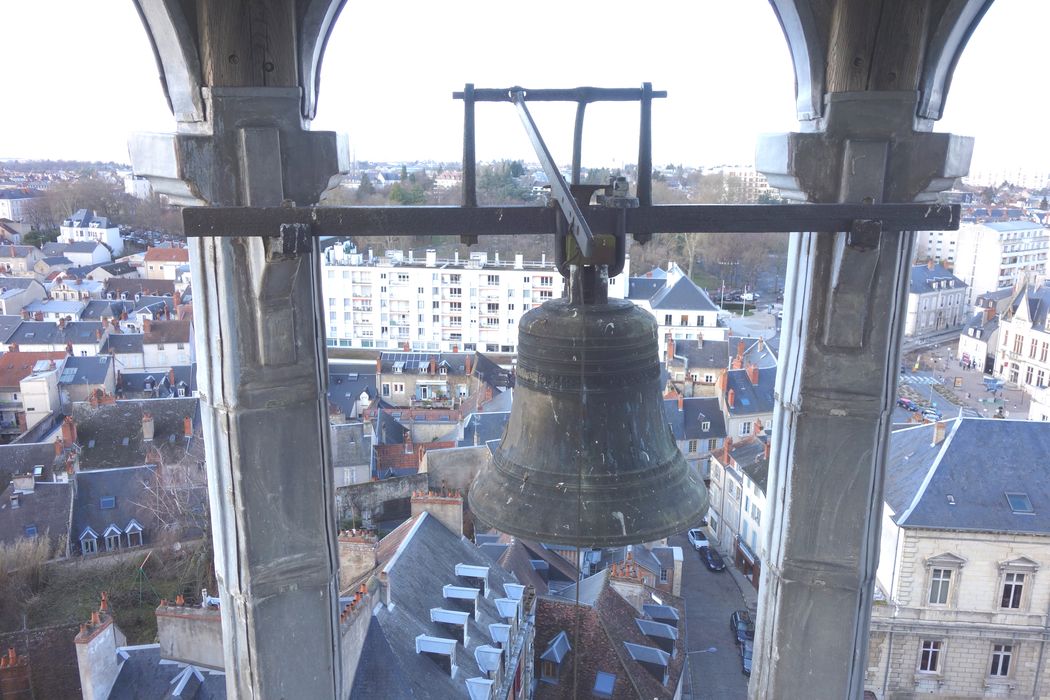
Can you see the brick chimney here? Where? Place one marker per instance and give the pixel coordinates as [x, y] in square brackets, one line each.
[148, 427]
[723, 380]
[379, 365]
[25, 314]
[446, 507]
[60, 445]
[731, 398]
[98, 334]
[14, 676]
[357, 555]
[670, 348]
[765, 451]
[929, 264]
[69, 430]
[146, 323]
[190, 634]
[433, 368]
[171, 377]
[939, 429]
[97, 645]
[752, 373]
[945, 264]
[468, 365]
[740, 348]
[681, 403]
[989, 314]
[726, 447]
[187, 426]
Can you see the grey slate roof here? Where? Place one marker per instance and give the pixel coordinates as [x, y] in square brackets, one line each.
[54, 249]
[83, 218]
[86, 370]
[118, 268]
[350, 445]
[639, 288]
[491, 373]
[47, 508]
[81, 247]
[48, 332]
[21, 457]
[480, 428]
[82, 271]
[165, 384]
[123, 344]
[101, 431]
[922, 278]
[127, 486]
[345, 385]
[711, 354]
[1013, 225]
[143, 676]
[1038, 300]
[981, 322]
[97, 308]
[8, 325]
[17, 282]
[424, 563]
[751, 398]
[53, 260]
[687, 424]
[756, 350]
[388, 430]
[978, 462]
[590, 588]
[683, 295]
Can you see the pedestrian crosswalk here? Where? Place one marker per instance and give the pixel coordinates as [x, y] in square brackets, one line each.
[919, 379]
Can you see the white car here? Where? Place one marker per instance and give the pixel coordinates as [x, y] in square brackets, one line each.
[697, 538]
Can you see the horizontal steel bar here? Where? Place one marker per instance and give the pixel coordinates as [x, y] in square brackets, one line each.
[580, 94]
[509, 221]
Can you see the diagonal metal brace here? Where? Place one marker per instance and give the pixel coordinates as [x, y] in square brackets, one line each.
[560, 192]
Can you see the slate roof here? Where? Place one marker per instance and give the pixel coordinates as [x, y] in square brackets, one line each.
[1005, 226]
[8, 250]
[683, 295]
[132, 286]
[606, 628]
[131, 498]
[388, 430]
[350, 445]
[54, 249]
[101, 431]
[479, 428]
[123, 344]
[86, 370]
[981, 322]
[95, 309]
[345, 385]
[979, 461]
[687, 424]
[491, 373]
[57, 306]
[82, 270]
[81, 247]
[118, 269]
[143, 676]
[642, 288]
[456, 362]
[48, 508]
[48, 333]
[53, 260]
[165, 384]
[83, 218]
[1038, 300]
[423, 561]
[17, 282]
[750, 399]
[758, 351]
[922, 279]
[712, 354]
[21, 457]
[8, 324]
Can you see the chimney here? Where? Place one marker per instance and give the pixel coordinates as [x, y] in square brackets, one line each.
[69, 348]
[723, 380]
[752, 373]
[69, 431]
[938, 432]
[945, 264]
[97, 657]
[23, 483]
[62, 323]
[147, 427]
[25, 314]
[59, 446]
[670, 349]
[177, 298]
[700, 340]
[989, 314]
[190, 634]
[38, 316]
[681, 403]
[765, 451]
[14, 676]
[357, 555]
[726, 446]
[379, 365]
[187, 426]
[433, 365]
[731, 399]
[468, 365]
[447, 508]
[740, 348]
[171, 376]
[98, 334]
[146, 323]
[929, 264]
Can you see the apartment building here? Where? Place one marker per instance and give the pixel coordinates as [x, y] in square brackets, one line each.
[406, 303]
[85, 226]
[936, 300]
[939, 246]
[995, 255]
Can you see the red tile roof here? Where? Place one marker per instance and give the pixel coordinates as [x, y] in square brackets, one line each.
[179, 255]
[16, 366]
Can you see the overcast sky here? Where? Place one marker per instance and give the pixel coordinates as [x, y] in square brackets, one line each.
[80, 77]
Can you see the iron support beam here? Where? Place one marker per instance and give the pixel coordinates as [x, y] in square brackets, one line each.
[512, 220]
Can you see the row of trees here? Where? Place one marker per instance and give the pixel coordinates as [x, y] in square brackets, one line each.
[107, 198]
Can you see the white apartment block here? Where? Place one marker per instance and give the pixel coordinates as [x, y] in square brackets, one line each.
[14, 204]
[85, 226]
[399, 302]
[995, 255]
[753, 183]
[939, 246]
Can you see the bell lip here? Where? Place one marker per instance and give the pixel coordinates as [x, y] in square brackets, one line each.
[613, 540]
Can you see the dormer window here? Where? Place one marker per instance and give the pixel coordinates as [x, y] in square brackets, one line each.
[705, 426]
[552, 657]
[112, 537]
[441, 650]
[88, 541]
[134, 533]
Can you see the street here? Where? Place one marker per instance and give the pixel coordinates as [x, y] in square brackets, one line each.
[713, 667]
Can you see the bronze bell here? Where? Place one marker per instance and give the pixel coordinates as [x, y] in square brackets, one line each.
[588, 458]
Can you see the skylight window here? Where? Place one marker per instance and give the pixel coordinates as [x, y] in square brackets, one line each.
[603, 684]
[107, 502]
[1019, 502]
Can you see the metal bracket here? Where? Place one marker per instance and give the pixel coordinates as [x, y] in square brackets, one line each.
[293, 241]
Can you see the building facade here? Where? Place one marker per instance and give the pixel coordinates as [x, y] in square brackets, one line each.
[1024, 353]
[996, 255]
[447, 305]
[85, 226]
[936, 300]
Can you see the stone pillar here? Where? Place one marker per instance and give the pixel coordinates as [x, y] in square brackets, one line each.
[845, 307]
[241, 79]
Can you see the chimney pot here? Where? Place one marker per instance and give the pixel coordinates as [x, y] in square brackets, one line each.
[929, 264]
[95, 619]
[681, 402]
[731, 398]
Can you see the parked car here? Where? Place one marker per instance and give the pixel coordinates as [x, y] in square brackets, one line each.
[907, 404]
[712, 559]
[931, 414]
[746, 651]
[742, 625]
[697, 538]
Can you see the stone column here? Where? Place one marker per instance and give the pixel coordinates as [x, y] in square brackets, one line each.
[236, 78]
[844, 319]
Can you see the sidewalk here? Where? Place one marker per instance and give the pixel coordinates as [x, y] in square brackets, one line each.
[747, 591]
